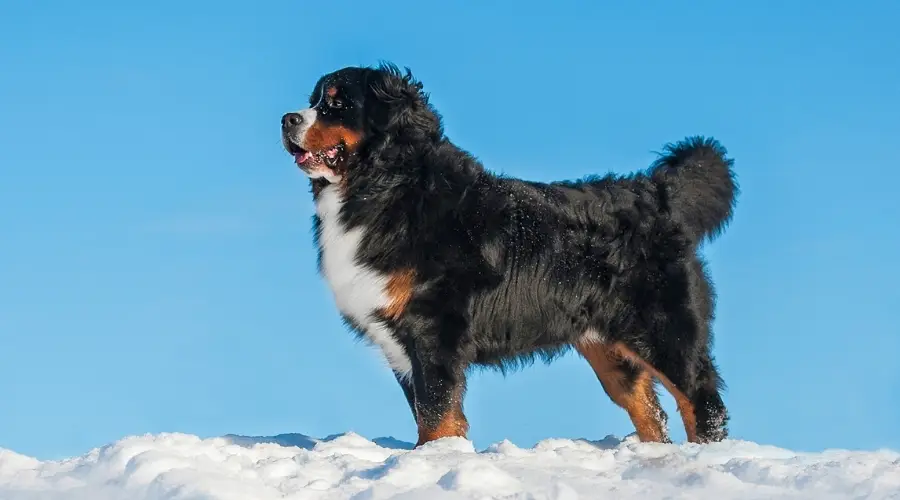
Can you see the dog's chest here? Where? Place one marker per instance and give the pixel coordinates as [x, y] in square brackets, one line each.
[358, 290]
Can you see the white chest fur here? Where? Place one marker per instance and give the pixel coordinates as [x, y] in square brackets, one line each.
[358, 291]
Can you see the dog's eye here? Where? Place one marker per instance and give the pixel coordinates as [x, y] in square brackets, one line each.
[336, 103]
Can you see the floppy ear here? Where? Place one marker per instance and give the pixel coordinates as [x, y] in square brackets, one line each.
[397, 105]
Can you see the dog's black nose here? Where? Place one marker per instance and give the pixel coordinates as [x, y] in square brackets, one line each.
[291, 120]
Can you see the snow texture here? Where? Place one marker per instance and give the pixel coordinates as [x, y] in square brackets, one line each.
[348, 466]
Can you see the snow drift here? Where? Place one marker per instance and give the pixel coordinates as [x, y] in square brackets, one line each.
[293, 466]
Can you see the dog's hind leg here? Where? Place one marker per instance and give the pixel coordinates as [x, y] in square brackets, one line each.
[709, 409]
[699, 403]
[630, 386]
[674, 354]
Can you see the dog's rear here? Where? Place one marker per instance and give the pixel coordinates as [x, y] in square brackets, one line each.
[666, 334]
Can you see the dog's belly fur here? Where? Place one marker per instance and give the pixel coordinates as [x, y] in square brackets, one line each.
[358, 291]
[532, 313]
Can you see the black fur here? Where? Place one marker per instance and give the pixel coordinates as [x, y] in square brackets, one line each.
[507, 269]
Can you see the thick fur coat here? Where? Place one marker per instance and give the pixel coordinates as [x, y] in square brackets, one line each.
[445, 265]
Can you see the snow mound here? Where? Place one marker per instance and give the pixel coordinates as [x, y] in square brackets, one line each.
[348, 466]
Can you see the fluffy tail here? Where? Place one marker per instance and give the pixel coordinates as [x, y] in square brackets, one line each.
[697, 185]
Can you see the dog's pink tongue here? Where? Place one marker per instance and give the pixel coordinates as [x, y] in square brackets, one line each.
[302, 157]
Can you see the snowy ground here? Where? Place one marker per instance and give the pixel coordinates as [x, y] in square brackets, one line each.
[178, 466]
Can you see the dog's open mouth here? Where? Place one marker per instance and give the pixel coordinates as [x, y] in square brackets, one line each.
[317, 163]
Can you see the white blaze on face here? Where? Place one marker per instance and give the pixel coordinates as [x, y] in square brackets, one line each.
[308, 116]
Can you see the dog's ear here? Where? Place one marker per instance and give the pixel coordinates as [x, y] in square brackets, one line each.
[396, 105]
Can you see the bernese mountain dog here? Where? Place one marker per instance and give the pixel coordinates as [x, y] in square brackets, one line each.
[446, 266]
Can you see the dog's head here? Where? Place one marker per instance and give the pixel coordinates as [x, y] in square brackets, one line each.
[356, 112]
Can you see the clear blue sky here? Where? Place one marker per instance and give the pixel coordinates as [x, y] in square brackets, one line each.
[156, 263]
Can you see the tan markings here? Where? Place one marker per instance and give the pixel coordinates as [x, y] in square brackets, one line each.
[331, 92]
[685, 407]
[688, 416]
[399, 290]
[452, 424]
[639, 400]
[321, 137]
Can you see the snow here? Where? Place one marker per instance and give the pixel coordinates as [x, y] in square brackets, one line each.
[349, 466]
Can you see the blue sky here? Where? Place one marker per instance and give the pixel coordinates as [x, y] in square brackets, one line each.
[157, 267]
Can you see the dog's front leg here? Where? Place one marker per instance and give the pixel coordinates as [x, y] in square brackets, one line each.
[406, 383]
[440, 385]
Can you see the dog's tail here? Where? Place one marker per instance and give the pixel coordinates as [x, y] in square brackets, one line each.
[697, 185]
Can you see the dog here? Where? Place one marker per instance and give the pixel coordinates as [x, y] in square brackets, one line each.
[446, 266]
